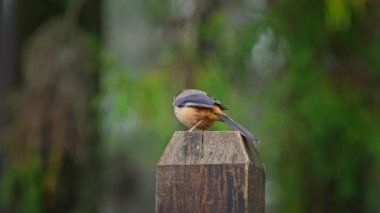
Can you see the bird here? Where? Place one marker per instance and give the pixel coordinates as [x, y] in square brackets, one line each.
[198, 110]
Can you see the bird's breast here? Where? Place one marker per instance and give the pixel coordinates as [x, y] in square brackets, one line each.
[189, 116]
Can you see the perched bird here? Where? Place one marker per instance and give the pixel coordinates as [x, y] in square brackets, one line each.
[196, 109]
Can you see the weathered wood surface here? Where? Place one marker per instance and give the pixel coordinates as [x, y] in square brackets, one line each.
[210, 172]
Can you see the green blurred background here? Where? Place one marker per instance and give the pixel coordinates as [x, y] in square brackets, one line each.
[86, 92]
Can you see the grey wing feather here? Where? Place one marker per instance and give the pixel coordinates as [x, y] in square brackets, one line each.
[199, 99]
[196, 98]
[196, 104]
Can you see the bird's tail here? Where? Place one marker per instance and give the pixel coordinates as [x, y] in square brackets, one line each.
[238, 127]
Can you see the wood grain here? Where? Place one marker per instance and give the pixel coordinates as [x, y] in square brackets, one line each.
[210, 172]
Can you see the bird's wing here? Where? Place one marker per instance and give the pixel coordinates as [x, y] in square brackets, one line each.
[198, 100]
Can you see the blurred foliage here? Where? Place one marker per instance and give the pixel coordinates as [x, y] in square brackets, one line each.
[303, 76]
[330, 103]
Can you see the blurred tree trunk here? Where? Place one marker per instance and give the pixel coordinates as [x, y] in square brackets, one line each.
[185, 26]
[8, 53]
[8, 64]
[52, 163]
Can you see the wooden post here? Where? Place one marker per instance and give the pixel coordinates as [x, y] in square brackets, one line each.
[210, 172]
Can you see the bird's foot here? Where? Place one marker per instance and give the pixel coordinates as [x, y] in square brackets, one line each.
[195, 126]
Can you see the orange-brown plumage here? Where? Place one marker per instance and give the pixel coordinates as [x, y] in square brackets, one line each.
[190, 116]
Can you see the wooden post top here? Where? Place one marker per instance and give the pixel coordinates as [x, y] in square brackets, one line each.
[209, 147]
[205, 172]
